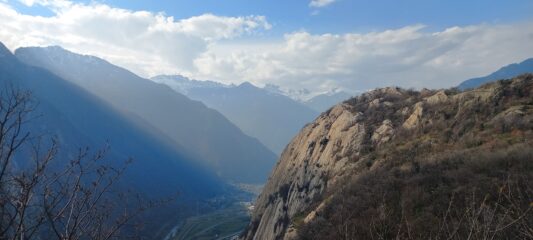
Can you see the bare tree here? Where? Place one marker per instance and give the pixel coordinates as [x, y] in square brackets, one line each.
[16, 187]
[80, 201]
[509, 214]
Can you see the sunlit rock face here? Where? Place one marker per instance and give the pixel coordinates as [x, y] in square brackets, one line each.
[341, 144]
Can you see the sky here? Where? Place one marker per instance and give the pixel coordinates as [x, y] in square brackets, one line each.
[319, 45]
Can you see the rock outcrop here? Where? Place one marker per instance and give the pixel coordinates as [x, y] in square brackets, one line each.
[439, 97]
[384, 133]
[345, 142]
[319, 154]
[308, 164]
[415, 117]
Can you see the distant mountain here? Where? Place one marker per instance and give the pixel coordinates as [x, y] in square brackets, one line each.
[319, 103]
[183, 84]
[323, 102]
[506, 72]
[300, 95]
[272, 118]
[204, 132]
[79, 119]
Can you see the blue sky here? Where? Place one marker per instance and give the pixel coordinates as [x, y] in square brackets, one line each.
[315, 44]
[340, 16]
[354, 15]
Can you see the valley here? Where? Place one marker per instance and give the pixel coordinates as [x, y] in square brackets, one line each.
[221, 218]
[266, 120]
[223, 224]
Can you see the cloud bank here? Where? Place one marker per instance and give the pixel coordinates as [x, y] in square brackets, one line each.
[320, 3]
[407, 57]
[147, 43]
[231, 49]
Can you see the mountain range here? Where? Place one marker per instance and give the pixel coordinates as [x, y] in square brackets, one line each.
[190, 125]
[194, 137]
[508, 71]
[270, 117]
[78, 119]
[323, 102]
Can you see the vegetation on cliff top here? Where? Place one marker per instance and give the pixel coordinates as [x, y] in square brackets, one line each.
[463, 169]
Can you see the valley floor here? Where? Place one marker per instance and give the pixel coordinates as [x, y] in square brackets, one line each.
[222, 224]
[226, 218]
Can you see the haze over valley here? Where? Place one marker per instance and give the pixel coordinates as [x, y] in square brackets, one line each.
[266, 120]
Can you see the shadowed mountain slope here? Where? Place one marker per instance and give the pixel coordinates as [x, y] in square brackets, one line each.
[272, 118]
[78, 120]
[202, 131]
[508, 71]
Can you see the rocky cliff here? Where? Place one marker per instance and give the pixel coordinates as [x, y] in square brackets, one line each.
[392, 129]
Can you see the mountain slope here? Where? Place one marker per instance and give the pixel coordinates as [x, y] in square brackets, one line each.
[272, 118]
[508, 71]
[391, 162]
[183, 84]
[79, 119]
[202, 131]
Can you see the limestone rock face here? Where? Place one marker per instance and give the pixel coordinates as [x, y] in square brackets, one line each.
[383, 133]
[415, 117]
[439, 97]
[339, 144]
[375, 103]
[313, 214]
[317, 157]
[308, 164]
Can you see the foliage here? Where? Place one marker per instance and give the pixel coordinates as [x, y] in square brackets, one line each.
[38, 200]
[464, 172]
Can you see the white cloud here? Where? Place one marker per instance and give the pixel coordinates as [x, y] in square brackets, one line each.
[408, 57]
[147, 43]
[320, 3]
[209, 47]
